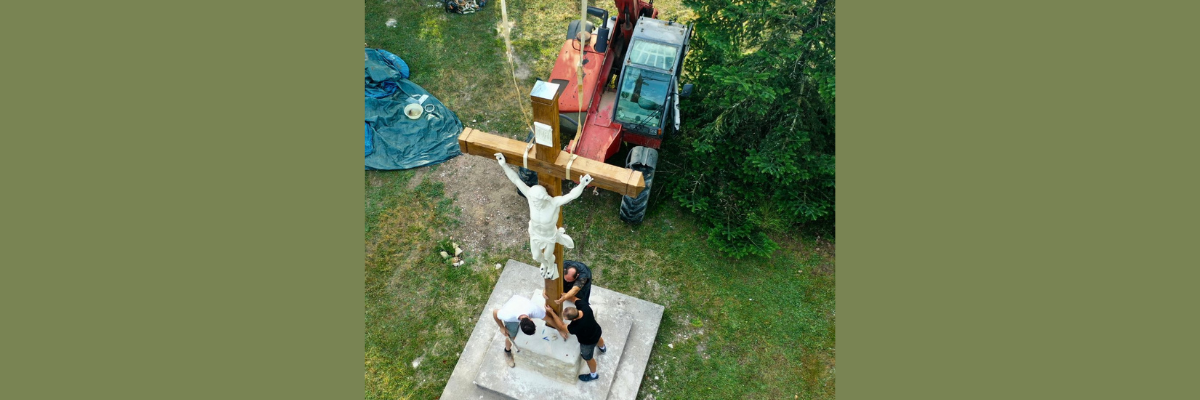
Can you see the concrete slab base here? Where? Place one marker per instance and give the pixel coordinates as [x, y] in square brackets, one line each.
[482, 359]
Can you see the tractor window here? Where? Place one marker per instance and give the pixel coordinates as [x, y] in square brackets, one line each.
[652, 54]
[643, 94]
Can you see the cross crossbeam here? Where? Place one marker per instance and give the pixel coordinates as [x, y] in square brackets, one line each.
[608, 177]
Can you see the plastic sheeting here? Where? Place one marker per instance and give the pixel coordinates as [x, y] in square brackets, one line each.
[382, 70]
[392, 140]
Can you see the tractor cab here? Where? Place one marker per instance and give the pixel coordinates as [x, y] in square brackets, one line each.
[647, 90]
[646, 56]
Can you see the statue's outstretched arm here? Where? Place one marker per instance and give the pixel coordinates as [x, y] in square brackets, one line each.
[512, 175]
[574, 193]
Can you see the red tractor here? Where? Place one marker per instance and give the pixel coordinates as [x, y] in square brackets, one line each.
[645, 55]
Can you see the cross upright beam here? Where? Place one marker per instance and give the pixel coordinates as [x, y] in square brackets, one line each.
[544, 99]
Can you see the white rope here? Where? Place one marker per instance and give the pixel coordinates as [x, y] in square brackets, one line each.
[508, 53]
[573, 156]
[525, 156]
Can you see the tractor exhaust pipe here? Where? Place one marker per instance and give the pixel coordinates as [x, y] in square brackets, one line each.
[602, 38]
[602, 33]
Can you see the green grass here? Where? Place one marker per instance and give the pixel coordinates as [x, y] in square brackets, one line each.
[731, 329]
[417, 306]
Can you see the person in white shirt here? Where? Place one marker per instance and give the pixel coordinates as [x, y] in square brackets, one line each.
[519, 312]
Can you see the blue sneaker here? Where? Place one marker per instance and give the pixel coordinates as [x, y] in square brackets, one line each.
[588, 377]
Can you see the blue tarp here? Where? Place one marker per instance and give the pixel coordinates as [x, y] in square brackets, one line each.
[391, 139]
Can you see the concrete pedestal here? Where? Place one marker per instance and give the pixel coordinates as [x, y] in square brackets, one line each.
[544, 352]
[629, 324]
[550, 368]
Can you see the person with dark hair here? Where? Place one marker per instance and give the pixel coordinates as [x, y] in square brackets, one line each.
[518, 313]
[578, 277]
[584, 327]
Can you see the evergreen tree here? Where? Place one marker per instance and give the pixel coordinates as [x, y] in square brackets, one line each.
[757, 147]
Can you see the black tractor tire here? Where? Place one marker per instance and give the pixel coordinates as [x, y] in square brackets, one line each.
[529, 177]
[568, 124]
[645, 160]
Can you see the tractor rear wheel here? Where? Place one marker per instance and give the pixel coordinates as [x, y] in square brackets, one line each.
[644, 160]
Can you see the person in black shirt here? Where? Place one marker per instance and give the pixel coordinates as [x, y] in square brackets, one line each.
[584, 327]
[577, 281]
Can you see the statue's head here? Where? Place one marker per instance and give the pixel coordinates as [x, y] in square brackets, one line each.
[538, 195]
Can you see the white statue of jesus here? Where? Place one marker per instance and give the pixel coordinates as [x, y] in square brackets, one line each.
[543, 219]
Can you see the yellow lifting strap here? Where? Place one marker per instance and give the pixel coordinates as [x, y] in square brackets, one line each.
[525, 157]
[573, 157]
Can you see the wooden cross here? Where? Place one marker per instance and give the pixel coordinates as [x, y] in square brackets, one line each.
[552, 165]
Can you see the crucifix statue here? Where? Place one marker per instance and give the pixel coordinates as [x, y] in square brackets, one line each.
[545, 157]
[544, 212]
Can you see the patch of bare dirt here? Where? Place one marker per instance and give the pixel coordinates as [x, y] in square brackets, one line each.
[828, 253]
[493, 216]
[522, 69]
